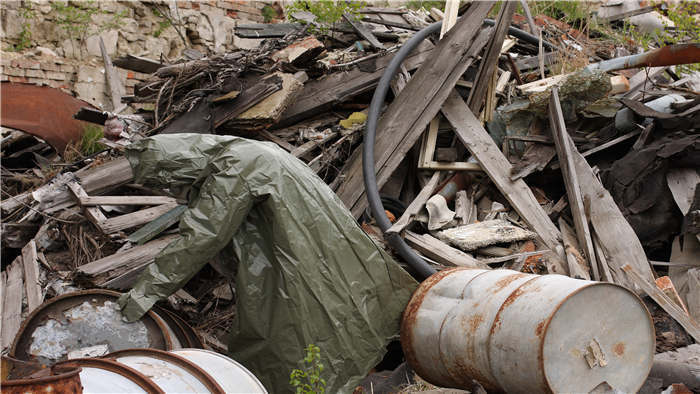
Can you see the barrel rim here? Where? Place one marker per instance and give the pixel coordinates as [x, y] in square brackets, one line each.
[132, 374]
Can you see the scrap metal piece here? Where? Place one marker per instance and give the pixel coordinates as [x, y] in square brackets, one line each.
[43, 112]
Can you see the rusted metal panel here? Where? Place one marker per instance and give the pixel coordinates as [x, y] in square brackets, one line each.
[59, 380]
[41, 111]
[517, 332]
[81, 319]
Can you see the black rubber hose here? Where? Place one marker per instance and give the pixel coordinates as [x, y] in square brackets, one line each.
[370, 177]
[525, 36]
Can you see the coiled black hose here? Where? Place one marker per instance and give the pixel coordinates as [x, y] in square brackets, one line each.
[370, 177]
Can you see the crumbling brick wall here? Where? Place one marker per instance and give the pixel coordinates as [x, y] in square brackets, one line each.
[57, 58]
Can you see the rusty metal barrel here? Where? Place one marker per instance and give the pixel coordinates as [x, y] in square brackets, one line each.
[523, 333]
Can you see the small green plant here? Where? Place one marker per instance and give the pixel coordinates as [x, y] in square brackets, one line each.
[76, 20]
[268, 14]
[89, 144]
[327, 12]
[24, 40]
[308, 380]
[426, 5]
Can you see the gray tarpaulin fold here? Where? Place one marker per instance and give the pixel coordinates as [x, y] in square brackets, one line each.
[307, 272]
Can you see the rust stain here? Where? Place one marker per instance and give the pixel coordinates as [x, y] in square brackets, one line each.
[619, 349]
[42, 111]
[539, 329]
[409, 316]
[503, 282]
[474, 322]
[56, 380]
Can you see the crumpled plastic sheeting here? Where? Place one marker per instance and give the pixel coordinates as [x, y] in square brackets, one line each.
[307, 272]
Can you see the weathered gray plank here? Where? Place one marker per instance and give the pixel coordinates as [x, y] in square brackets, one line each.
[116, 89]
[30, 266]
[157, 226]
[12, 303]
[440, 252]
[565, 145]
[363, 31]
[472, 134]
[408, 115]
[134, 219]
[91, 201]
[93, 214]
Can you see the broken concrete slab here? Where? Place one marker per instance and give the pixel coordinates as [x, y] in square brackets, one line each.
[478, 235]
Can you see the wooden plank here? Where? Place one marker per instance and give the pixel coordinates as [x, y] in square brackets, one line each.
[363, 31]
[564, 146]
[449, 16]
[116, 89]
[390, 23]
[30, 266]
[138, 64]
[603, 266]
[308, 146]
[3, 296]
[627, 14]
[152, 229]
[440, 252]
[91, 201]
[277, 140]
[478, 141]
[578, 267]
[490, 60]
[664, 301]
[128, 259]
[93, 214]
[408, 115]
[135, 219]
[416, 205]
[12, 303]
[617, 238]
[321, 94]
[530, 62]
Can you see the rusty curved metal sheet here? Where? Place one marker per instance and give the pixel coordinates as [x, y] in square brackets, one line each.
[41, 111]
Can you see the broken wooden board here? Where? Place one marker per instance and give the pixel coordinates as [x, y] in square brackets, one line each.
[321, 94]
[270, 109]
[114, 84]
[138, 64]
[30, 266]
[489, 62]
[408, 115]
[93, 213]
[617, 238]
[134, 219]
[416, 205]
[565, 146]
[100, 271]
[578, 267]
[489, 232]
[157, 226]
[440, 252]
[363, 31]
[251, 96]
[91, 201]
[478, 141]
[666, 303]
[12, 303]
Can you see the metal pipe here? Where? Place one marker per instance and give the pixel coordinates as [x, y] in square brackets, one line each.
[665, 56]
[523, 333]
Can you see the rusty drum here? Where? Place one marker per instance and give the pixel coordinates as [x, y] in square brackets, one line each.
[523, 333]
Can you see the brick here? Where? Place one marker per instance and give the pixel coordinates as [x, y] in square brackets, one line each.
[247, 8]
[131, 82]
[67, 68]
[25, 63]
[4, 77]
[232, 14]
[59, 76]
[13, 71]
[35, 73]
[184, 4]
[59, 85]
[37, 81]
[5, 61]
[50, 66]
[18, 79]
[227, 5]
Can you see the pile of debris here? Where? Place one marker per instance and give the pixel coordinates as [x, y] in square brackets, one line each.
[480, 161]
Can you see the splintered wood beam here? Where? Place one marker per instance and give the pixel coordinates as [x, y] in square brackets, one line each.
[411, 111]
[480, 144]
[664, 301]
[157, 226]
[440, 252]
[12, 302]
[116, 88]
[134, 219]
[490, 60]
[32, 287]
[93, 214]
[565, 145]
[363, 31]
[91, 201]
[416, 205]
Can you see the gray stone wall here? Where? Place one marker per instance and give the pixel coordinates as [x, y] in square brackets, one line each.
[71, 60]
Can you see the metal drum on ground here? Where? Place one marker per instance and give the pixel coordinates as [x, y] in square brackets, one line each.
[231, 376]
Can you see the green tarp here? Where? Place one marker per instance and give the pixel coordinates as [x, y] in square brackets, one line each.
[307, 271]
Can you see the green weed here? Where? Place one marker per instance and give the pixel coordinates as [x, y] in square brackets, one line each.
[308, 380]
